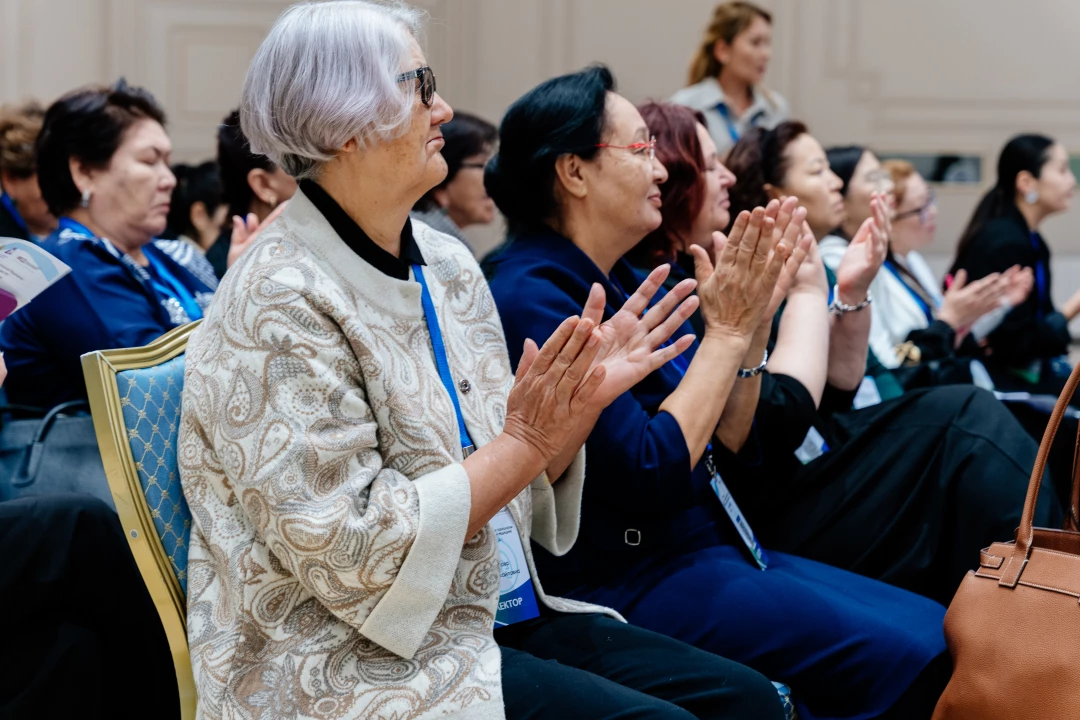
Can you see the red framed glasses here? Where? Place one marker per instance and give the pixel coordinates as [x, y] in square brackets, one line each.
[641, 148]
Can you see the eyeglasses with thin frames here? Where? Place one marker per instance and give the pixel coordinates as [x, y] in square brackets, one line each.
[649, 146]
[426, 84]
[923, 211]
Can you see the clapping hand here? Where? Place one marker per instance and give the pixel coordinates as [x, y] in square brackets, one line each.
[632, 344]
[246, 230]
[865, 254]
[736, 291]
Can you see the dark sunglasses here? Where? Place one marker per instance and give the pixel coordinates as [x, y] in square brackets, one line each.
[426, 84]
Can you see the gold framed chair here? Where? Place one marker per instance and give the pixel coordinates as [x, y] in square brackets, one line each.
[135, 401]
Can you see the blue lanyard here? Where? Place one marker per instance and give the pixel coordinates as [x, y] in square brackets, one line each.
[1040, 275]
[9, 204]
[173, 288]
[724, 113]
[177, 292]
[441, 361]
[927, 310]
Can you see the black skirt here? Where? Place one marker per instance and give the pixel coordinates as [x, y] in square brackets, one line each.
[908, 491]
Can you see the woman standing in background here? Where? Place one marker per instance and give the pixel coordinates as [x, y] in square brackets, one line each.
[726, 74]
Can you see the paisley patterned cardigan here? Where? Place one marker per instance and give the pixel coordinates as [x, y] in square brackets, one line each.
[329, 573]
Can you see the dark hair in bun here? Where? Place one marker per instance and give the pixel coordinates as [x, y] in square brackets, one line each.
[563, 116]
[757, 160]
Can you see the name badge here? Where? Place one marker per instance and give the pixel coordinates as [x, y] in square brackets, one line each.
[813, 446]
[737, 518]
[517, 598]
[867, 394]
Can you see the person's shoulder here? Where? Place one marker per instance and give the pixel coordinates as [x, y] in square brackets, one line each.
[700, 96]
[185, 255]
[523, 278]
[437, 245]
[281, 257]
[777, 103]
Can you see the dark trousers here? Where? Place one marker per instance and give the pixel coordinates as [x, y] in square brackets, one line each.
[559, 667]
[78, 630]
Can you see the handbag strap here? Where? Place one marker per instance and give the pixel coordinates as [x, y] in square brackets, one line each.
[26, 474]
[1025, 533]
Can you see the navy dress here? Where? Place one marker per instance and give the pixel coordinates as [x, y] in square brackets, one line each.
[107, 301]
[656, 545]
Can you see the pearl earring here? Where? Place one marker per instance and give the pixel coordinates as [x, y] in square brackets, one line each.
[85, 199]
[1031, 197]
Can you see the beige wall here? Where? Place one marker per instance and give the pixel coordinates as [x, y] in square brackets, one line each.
[920, 75]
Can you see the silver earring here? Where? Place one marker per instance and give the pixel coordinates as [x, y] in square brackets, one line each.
[85, 199]
[1031, 197]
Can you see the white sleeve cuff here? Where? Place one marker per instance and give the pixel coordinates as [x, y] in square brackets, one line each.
[556, 516]
[401, 619]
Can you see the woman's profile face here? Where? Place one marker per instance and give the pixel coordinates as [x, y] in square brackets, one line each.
[412, 159]
[464, 198]
[868, 178]
[747, 57]
[715, 213]
[1056, 181]
[915, 220]
[623, 185]
[133, 193]
[810, 179]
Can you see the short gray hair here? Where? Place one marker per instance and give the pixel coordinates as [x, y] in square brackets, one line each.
[326, 74]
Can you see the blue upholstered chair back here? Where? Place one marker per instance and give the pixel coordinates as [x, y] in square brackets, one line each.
[150, 401]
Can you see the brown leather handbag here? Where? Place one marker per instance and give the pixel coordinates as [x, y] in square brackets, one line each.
[1013, 627]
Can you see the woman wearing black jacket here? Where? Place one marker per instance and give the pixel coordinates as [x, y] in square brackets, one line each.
[1027, 351]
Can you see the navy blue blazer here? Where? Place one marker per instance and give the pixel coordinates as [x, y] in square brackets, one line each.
[641, 498]
[105, 302]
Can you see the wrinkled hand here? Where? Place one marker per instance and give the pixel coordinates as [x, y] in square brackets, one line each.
[791, 216]
[965, 302]
[865, 254]
[553, 387]
[1018, 284]
[245, 231]
[632, 344]
[736, 291]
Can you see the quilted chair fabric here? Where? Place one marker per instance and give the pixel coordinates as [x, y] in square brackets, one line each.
[150, 400]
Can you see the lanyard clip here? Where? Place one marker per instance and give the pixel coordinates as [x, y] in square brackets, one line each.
[467, 450]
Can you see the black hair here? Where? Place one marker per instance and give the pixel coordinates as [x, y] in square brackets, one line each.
[562, 116]
[194, 183]
[87, 124]
[757, 160]
[235, 160]
[465, 136]
[843, 161]
[1023, 152]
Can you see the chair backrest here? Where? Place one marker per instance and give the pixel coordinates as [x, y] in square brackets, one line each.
[135, 396]
[150, 402]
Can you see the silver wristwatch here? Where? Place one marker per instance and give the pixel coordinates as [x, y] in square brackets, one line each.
[754, 371]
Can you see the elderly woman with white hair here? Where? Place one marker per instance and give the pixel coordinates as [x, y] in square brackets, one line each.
[351, 555]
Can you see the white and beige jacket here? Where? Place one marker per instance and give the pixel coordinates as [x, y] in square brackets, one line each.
[329, 572]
